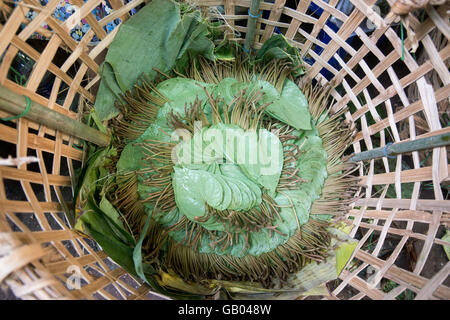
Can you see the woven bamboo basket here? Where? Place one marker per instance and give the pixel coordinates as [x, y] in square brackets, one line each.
[399, 214]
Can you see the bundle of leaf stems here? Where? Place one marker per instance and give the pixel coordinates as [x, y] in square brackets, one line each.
[310, 242]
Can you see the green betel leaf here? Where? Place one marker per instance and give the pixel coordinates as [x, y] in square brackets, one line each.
[130, 159]
[130, 54]
[229, 88]
[224, 53]
[109, 210]
[446, 237]
[137, 251]
[181, 92]
[277, 41]
[107, 94]
[195, 188]
[101, 222]
[302, 203]
[226, 89]
[344, 248]
[291, 107]
[196, 41]
[116, 250]
[91, 175]
[189, 199]
[259, 154]
[153, 38]
[266, 170]
[277, 47]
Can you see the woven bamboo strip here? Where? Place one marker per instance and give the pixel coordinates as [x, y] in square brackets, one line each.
[9, 135]
[405, 203]
[11, 173]
[15, 260]
[412, 175]
[387, 62]
[275, 14]
[417, 106]
[400, 232]
[402, 215]
[432, 284]
[320, 24]
[398, 274]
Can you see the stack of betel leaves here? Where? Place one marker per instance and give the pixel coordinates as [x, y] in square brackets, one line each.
[223, 178]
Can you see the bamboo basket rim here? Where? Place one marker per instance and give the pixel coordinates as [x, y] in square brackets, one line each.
[393, 100]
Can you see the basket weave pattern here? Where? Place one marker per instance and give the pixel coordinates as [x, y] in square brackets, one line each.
[392, 101]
